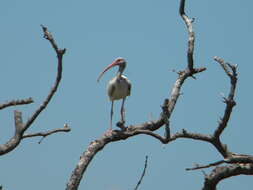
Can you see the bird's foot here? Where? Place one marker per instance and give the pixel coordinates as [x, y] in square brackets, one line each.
[121, 125]
[108, 132]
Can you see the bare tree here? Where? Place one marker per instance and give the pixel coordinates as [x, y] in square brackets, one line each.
[235, 164]
[20, 127]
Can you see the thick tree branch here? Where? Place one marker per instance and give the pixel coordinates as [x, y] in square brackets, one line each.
[18, 121]
[220, 173]
[22, 127]
[191, 40]
[222, 148]
[16, 102]
[239, 158]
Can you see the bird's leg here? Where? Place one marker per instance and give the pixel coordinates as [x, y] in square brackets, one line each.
[122, 111]
[109, 131]
[111, 116]
[121, 123]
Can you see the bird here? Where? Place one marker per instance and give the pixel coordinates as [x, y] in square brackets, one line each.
[119, 87]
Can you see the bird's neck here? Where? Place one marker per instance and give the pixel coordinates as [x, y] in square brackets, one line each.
[119, 74]
[120, 71]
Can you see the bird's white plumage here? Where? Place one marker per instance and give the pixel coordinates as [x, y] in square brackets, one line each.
[119, 88]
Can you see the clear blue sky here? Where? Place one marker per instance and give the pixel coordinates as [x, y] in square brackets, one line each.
[153, 38]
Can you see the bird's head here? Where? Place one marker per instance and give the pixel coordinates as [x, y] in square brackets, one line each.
[121, 62]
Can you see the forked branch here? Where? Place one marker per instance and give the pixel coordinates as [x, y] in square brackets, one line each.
[19, 125]
[60, 53]
[231, 71]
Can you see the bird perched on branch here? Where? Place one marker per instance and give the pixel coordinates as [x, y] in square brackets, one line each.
[118, 87]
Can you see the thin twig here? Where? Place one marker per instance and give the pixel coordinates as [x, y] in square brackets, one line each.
[66, 128]
[143, 173]
[205, 166]
[234, 159]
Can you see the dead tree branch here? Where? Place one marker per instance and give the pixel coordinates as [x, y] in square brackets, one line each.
[191, 40]
[19, 125]
[65, 129]
[234, 159]
[238, 161]
[229, 101]
[231, 71]
[147, 127]
[237, 164]
[143, 173]
[133, 130]
[197, 167]
[16, 102]
[223, 172]
[60, 53]
[234, 162]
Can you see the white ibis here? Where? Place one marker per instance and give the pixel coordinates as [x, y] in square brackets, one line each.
[118, 87]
